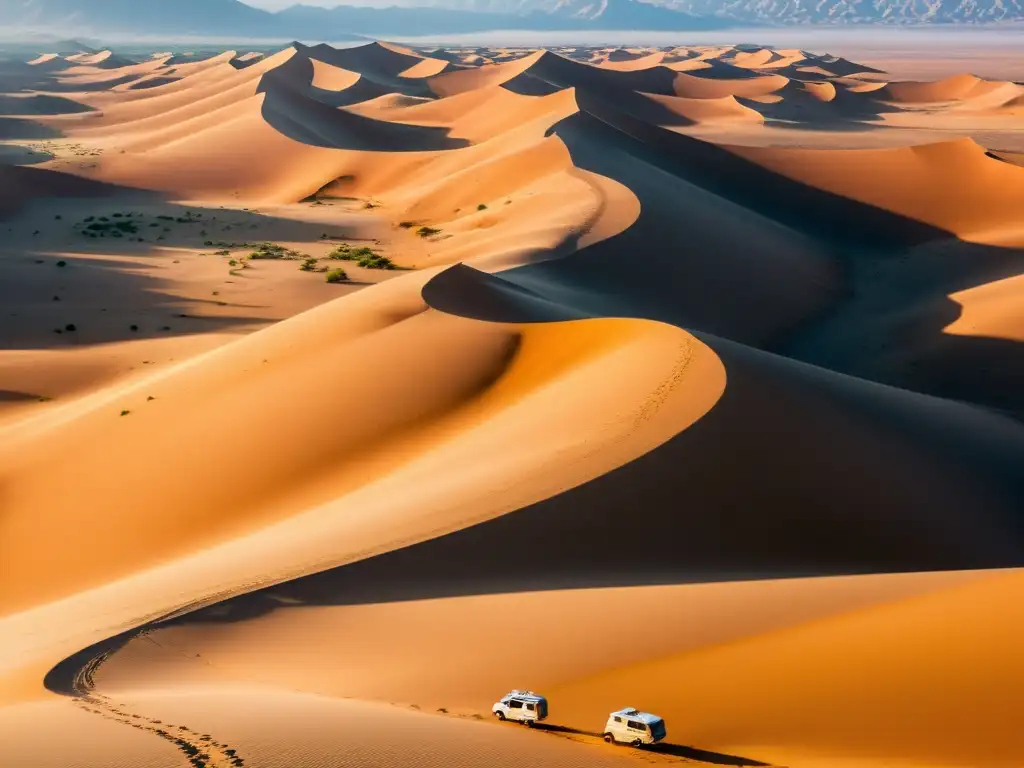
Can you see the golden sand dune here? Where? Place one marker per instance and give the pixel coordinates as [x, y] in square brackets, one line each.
[338, 384]
[953, 185]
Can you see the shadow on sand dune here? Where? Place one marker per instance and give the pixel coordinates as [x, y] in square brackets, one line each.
[10, 396]
[18, 128]
[40, 104]
[110, 300]
[726, 247]
[663, 748]
[291, 109]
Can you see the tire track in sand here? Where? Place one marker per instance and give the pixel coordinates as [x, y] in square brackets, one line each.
[200, 749]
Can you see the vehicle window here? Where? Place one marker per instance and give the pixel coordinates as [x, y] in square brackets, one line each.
[504, 703]
[637, 725]
[515, 704]
[530, 707]
[618, 719]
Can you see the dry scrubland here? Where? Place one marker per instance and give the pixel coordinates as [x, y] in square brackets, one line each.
[343, 390]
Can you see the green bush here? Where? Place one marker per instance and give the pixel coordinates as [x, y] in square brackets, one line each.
[337, 276]
[376, 261]
[274, 251]
[308, 264]
[482, 207]
[427, 231]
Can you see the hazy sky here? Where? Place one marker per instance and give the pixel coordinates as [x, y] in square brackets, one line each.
[276, 5]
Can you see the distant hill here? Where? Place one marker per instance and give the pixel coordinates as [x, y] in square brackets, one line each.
[309, 21]
[236, 19]
[892, 12]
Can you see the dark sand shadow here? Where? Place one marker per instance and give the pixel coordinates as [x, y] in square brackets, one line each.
[108, 300]
[40, 104]
[291, 108]
[10, 396]
[19, 128]
[662, 748]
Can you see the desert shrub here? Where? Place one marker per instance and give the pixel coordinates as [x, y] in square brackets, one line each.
[376, 262]
[427, 231]
[407, 224]
[337, 276]
[62, 263]
[482, 207]
[308, 264]
[70, 328]
[274, 251]
[363, 256]
[116, 228]
[233, 263]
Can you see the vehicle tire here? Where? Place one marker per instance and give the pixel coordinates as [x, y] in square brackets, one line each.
[529, 723]
[637, 743]
[500, 715]
[609, 738]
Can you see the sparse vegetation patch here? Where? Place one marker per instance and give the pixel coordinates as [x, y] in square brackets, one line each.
[364, 256]
[274, 251]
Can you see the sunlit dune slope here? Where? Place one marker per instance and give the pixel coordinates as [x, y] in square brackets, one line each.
[415, 415]
[951, 185]
[908, 673]
[277, 729]
[991, 310]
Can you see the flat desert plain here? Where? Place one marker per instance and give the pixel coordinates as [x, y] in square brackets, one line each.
[344, 390]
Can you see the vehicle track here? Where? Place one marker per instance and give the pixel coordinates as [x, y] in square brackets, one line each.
[200, 749]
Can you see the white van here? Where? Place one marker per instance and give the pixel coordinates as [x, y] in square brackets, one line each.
[521, 706]
[630, 726]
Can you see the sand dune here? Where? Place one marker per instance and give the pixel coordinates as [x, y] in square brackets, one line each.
[700, 86]
[951, 89]
[338, 384]
[953, 185]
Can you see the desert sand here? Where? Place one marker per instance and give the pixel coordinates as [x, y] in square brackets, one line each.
[344, 390]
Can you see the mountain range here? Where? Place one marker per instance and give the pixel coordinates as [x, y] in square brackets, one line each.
[220, 18]
[783, 12]
[893, 12]
[231, 17]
